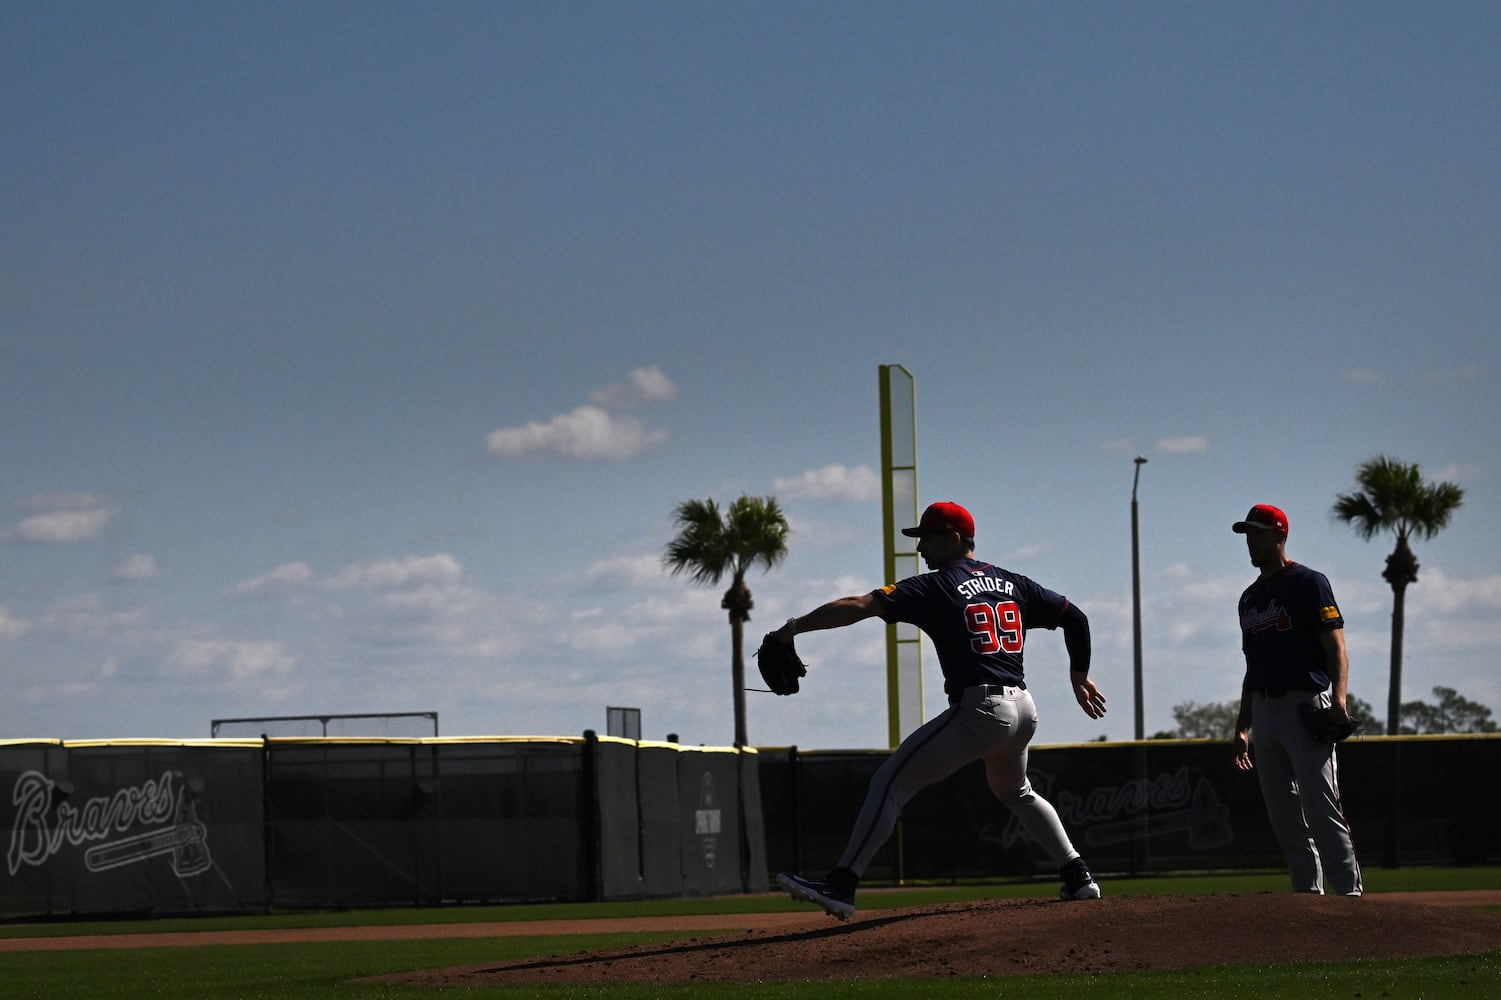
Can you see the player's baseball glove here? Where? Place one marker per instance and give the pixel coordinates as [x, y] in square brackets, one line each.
[780, 665]
[1325, 728]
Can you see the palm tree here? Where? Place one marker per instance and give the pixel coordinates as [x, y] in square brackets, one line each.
[710, 544]
[1393, 497]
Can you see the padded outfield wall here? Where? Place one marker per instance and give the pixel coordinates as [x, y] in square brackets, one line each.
[101, 827]
[230, 825]
[242, 825]
[1136, 807]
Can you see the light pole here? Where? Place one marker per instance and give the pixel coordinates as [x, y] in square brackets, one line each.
[1136, 603]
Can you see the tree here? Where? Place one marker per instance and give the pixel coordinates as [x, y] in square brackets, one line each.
[1393, 498]
[1366, 713]
[711, 544]
[1454, 713]
[1215, 720]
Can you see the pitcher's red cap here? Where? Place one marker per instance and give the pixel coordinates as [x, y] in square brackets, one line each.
[940, 519]
[1263, 517]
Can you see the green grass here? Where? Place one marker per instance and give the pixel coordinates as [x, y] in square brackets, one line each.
[324, 971]
[875, 898]
[272, 972]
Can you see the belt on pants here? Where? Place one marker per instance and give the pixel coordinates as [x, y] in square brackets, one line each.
[980, 692]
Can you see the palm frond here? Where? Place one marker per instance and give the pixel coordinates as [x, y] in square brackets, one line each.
[1436, 507]
[712, 543]
[1357, 510]
[1393, 497]
[701, 548]
[759, 531]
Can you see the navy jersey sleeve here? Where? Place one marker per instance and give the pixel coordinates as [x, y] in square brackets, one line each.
[1326, 610]
[1047, 606]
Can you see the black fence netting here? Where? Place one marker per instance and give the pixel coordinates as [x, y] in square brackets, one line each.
[225, 825]
[235, 825]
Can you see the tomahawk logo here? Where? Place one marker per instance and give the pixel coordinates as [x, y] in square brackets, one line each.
[155, 818]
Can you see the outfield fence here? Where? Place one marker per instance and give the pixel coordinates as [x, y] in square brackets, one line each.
[226, 825]
[1140, 807]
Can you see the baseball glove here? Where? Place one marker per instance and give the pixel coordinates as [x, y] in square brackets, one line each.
[1325, 728]
[780, 665]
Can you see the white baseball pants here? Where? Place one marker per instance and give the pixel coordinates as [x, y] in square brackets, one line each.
[1300, 784]
[990, 723]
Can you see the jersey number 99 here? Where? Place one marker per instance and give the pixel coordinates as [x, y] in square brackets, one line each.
[995, 628]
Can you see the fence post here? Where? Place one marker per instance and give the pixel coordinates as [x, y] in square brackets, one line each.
[589, 814]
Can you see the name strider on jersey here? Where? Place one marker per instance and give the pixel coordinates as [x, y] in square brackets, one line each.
[984, 585]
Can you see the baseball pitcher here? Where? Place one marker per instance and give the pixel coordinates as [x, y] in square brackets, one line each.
[977, 616]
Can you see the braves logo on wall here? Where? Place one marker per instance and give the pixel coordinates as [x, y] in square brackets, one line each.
[1180, 802]
[155, 818]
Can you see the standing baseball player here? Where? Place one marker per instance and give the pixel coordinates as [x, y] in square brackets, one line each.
[1293, 638]
[976, 615]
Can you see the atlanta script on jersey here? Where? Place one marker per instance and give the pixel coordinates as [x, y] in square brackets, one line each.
[1281, 617]
[977, 616]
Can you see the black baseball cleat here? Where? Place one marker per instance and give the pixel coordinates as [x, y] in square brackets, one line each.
[1078, 883]
[836, 902]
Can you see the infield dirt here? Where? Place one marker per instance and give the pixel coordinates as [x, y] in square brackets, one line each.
[1025, 936]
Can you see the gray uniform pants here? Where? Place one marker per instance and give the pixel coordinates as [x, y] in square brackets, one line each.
[1300, 785]
[990, 723]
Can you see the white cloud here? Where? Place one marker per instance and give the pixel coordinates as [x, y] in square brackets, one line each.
[592, 431]
[87, 615]
[65, 691]
[380, 615]
[1195, 444]
[1437, 591]
[293, 574]
[61, 518]
[137, 569]
[587, 432]
[1465, 473]
[63, 500]
[10, 627]
[407, 572]
[627, 570]
[1029, 552]
[1118, 445]
[832, 482]
[825, 534]
[63, 526]
[239, 660]
[1468, 373]
[1365, 376]
[393, 574]
[415, 632]
[641, 386]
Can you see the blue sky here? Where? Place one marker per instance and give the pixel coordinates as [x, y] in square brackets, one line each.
[354, 356]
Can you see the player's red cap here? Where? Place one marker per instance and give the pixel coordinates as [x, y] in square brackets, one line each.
[940, 519]
[1263, 517]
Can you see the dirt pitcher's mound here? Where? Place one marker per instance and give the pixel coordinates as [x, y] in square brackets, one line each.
[1025, 936]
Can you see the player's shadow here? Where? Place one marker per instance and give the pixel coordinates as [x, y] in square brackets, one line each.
[689, 948]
